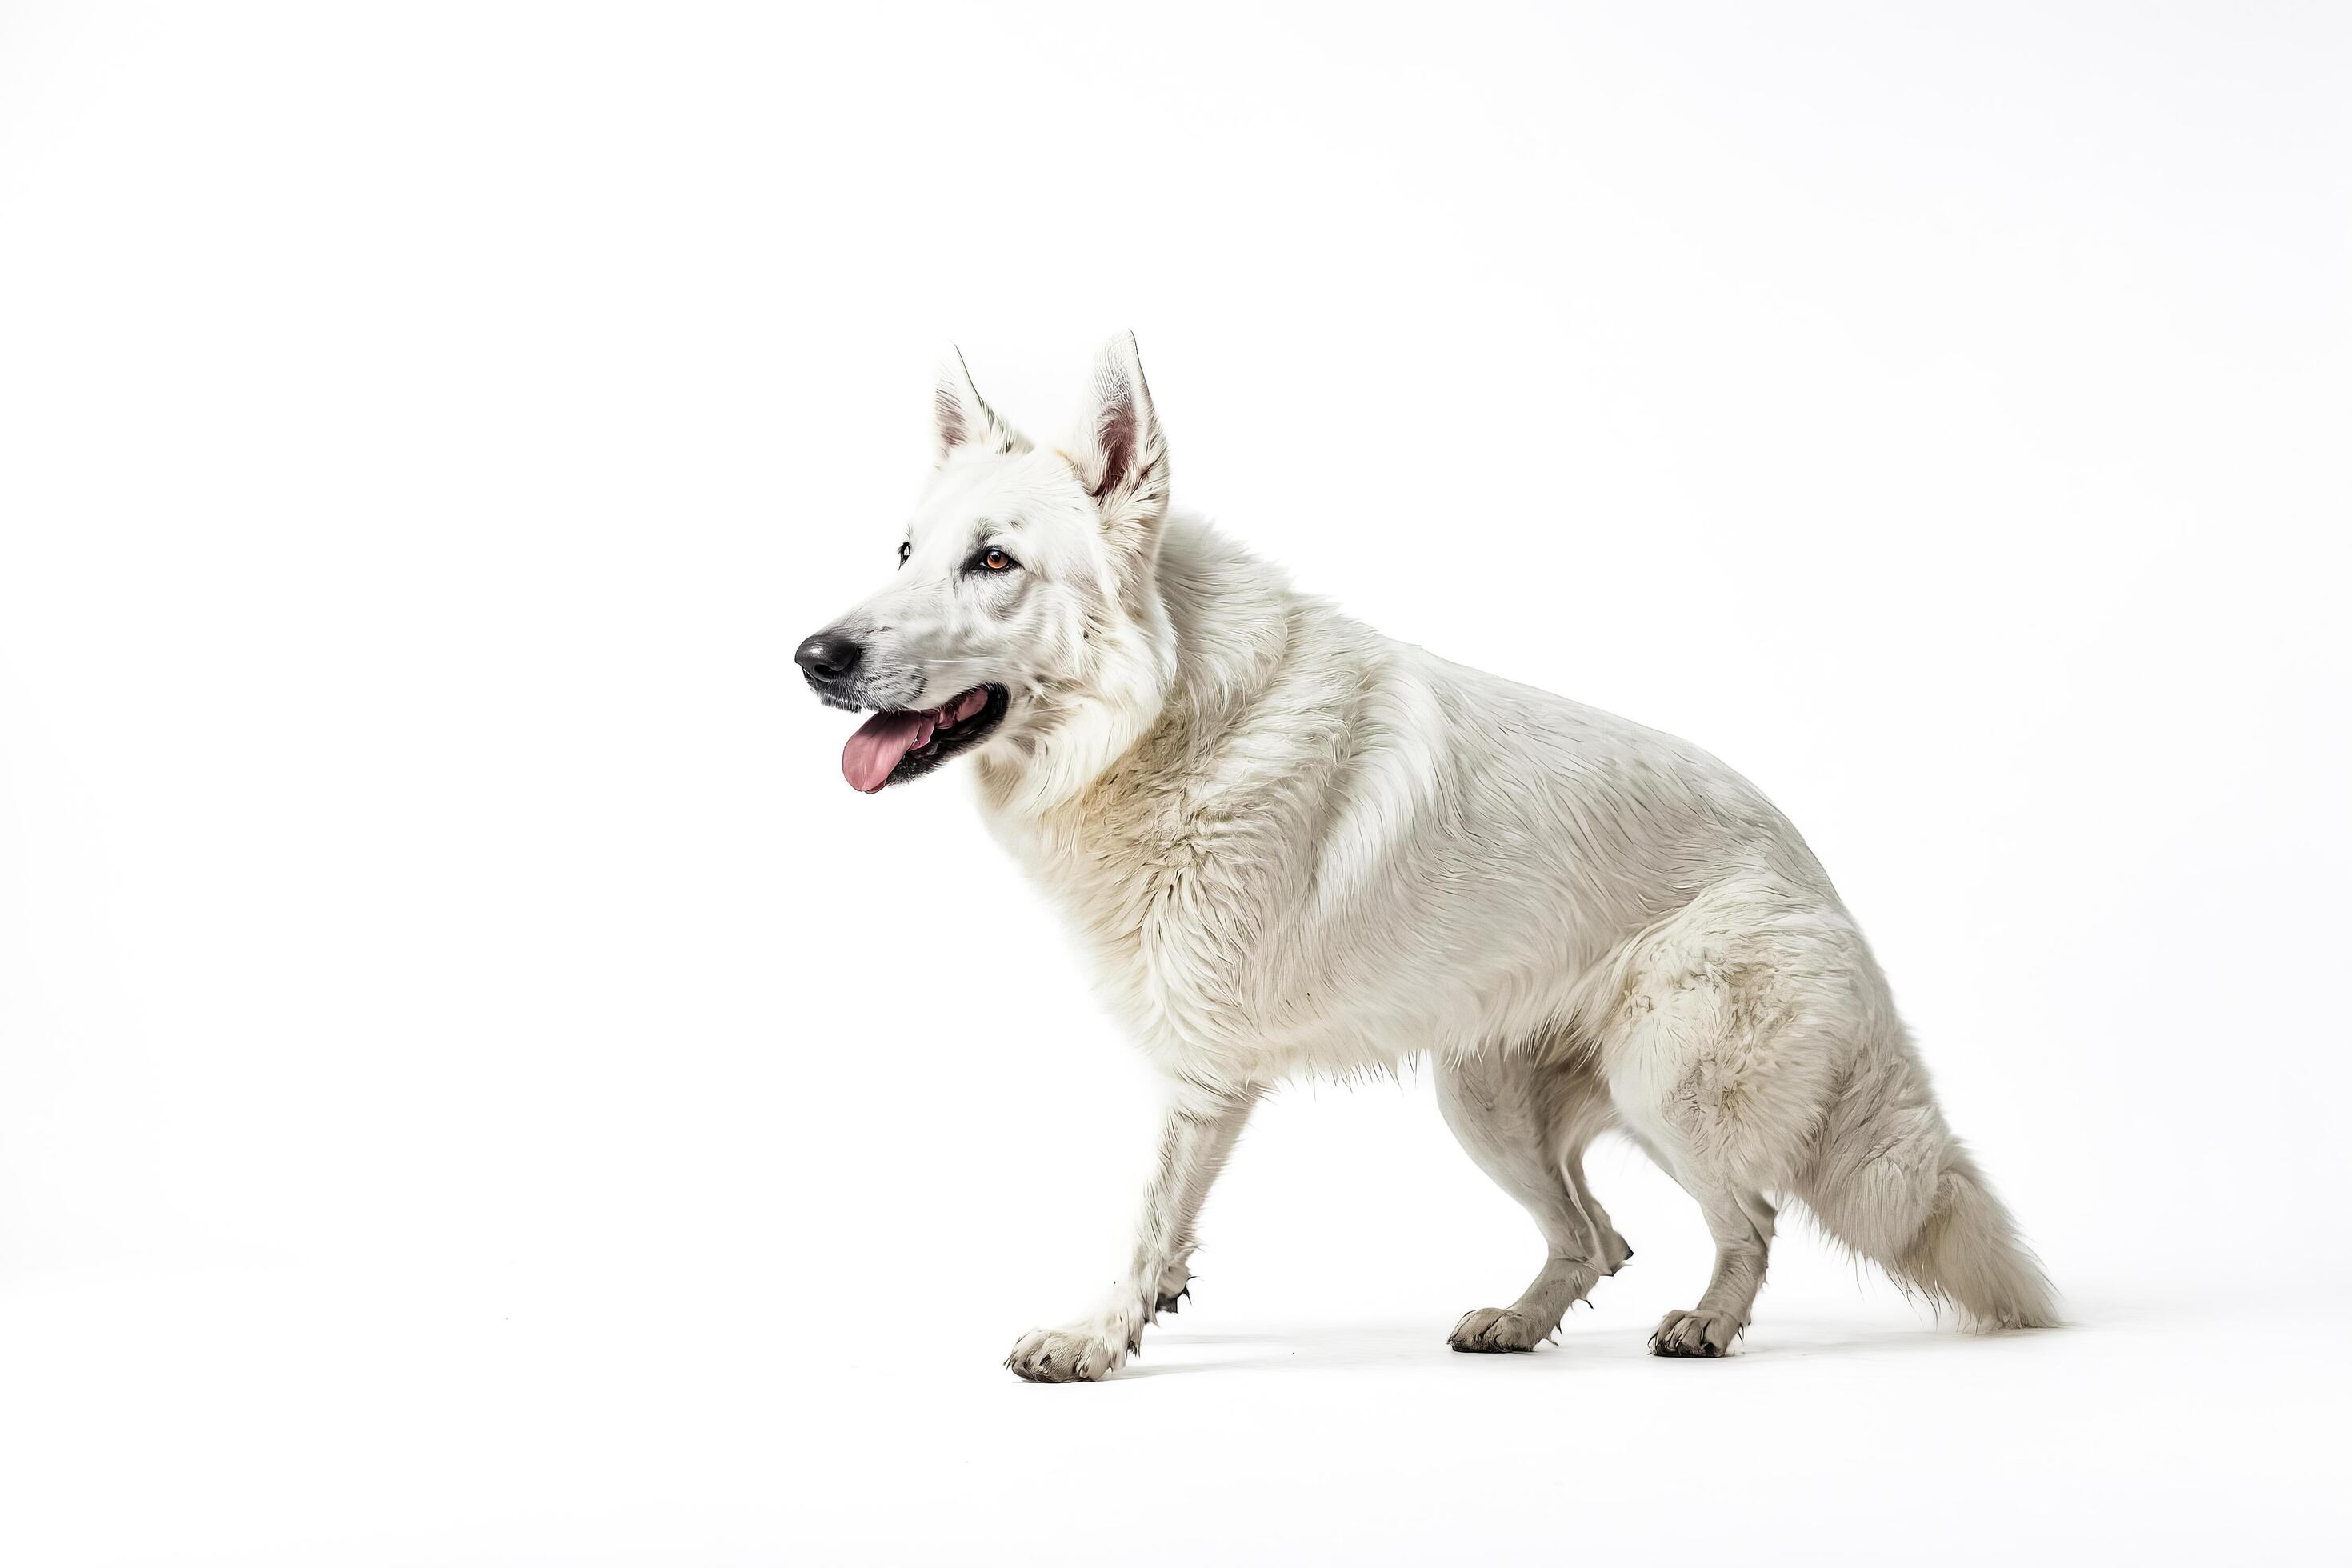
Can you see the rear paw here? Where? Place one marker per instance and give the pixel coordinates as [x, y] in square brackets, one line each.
[1490, 1331]
[1696, 1334]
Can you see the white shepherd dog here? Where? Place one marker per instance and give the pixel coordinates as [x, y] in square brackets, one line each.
[1291, 845]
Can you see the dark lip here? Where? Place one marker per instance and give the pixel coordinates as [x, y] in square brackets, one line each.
[949, 745]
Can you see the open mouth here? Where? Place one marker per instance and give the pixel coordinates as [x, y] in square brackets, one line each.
[904, 743]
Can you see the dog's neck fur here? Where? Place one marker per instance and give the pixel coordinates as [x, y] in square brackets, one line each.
[1198, 629]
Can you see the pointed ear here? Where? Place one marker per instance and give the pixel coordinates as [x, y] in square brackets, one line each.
[962, 420]
[1118, 448]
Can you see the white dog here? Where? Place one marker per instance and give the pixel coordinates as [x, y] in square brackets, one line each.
[1291, 845]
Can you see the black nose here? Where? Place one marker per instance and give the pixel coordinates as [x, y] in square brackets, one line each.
[829, 656]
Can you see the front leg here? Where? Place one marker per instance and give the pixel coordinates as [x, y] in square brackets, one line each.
[1195, 1136]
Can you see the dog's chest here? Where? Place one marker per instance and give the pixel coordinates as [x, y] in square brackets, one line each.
[1171, 895]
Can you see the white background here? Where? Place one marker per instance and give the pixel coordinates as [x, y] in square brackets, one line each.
[477, 1087]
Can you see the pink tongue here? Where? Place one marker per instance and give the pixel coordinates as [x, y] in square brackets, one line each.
[878, 744]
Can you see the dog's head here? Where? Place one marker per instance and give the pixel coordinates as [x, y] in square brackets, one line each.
[1021, 623]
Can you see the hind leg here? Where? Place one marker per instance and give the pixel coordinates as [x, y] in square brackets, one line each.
[1738, 1216]
[1527, 1123]
[1720, 1065]
[1741, 1223]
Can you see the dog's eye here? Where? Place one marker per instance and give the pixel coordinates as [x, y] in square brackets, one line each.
[996, 560]
[905, 550]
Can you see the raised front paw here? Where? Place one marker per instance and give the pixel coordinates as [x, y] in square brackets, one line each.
[1493, 1330]
[1696, 1334]
[1066, 1355]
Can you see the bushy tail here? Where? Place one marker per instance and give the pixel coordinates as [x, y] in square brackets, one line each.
[1893, 1183]
[1967, 1253]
